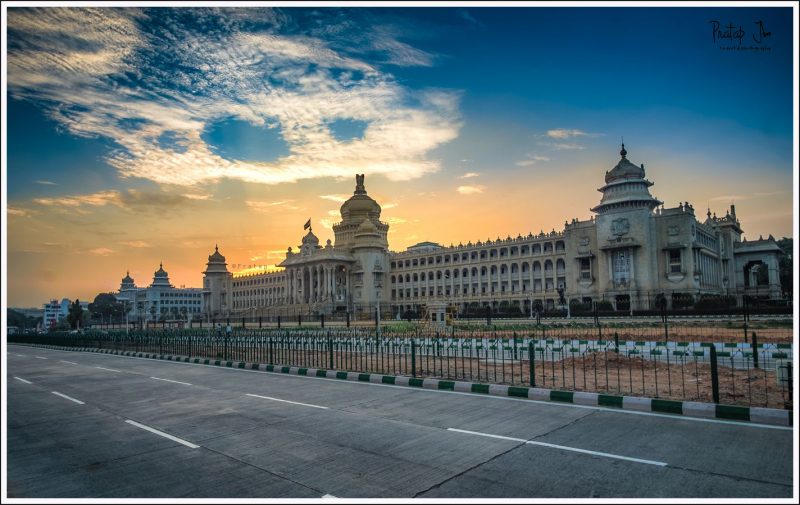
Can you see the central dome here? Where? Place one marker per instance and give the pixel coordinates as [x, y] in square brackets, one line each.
[360, 206]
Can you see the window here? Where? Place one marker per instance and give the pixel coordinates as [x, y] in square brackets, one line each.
[674, 261]
[621, 264]
[586, 269]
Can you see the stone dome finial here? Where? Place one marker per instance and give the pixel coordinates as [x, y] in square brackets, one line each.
[623, 152]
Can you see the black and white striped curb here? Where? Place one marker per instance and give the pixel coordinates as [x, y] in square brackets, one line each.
[693, 409]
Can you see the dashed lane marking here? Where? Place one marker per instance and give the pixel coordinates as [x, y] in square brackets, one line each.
[108, 369]
[287, 401]
[563, 447]
[67, 397]
[23, 380]
[162, 434]
[168, 380]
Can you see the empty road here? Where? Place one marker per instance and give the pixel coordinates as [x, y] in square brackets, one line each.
[96, 425]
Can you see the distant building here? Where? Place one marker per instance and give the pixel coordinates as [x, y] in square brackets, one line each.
[633, 252]
[160, 300]
[55, 311]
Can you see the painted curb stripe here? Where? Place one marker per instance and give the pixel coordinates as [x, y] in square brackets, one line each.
[667, 406]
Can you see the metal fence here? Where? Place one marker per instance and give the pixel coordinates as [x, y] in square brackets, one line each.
[737, 373]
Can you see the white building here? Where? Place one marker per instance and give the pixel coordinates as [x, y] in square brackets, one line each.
[160, 300]
[633, 252]
[55, 311]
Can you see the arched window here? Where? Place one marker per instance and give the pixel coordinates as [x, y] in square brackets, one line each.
[537, 267]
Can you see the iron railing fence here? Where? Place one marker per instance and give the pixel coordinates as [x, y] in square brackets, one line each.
[712, 330]
[737, 373]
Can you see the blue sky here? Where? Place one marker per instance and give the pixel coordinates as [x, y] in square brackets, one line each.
[141, 113]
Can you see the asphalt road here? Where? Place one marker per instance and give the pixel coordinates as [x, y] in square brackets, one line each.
[89, 425]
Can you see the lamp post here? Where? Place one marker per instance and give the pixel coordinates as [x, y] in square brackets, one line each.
[378, 287]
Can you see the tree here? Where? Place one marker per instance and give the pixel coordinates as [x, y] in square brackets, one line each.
[785, 267]
[75, 314]
[20, 320]
[106, 306]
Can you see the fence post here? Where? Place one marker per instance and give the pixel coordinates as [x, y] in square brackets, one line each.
[754, 346]
[271, 356]
[322, 320]
[259, 321]
[413, 358]
[299, 319]
[616, 342]
[790, 386]
[225, 350]
[714, 373]
[348, 318]
[330, 352]
[531, 364]
[279, 321]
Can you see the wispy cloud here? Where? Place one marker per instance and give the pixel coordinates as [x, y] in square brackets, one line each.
[531, 159]
[389, 205]
[341, 198]
[469, 175]
[567, 133]
[138, 244]
[131, 199]
[266, 207]
[46, 183]
[140, 80]
[102, 251]
[757, 194]
[471, 190]
[16, 211]
[563, 146]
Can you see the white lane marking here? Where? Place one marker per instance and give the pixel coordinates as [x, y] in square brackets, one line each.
[287, 401]
[168, 380]
[40, 357]
[23, 380]
[563, 447]
[161, 433]
[109, 369]
[65, 361]
[329, 496]
[21, 355]
[674, 417]
[67, 397]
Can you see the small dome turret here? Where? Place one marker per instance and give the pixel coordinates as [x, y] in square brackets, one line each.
[311, 239]
[624, 169]
[216, 257]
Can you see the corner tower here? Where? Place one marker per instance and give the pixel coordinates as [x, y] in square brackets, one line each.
[217, 286]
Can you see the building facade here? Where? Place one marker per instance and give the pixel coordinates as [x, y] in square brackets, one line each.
[160, 300]
[632, 253]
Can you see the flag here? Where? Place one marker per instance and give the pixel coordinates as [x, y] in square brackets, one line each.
[307, 225]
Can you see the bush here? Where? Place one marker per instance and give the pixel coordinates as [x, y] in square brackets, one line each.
[707, 302]
[682, 300]
[604, 305]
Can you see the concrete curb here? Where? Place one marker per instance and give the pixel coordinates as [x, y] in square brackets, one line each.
[641, 404]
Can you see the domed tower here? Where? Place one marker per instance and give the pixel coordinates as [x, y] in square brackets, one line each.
[127, 283]
[161, 278]
[354, 211]
[626, 234]
[217, 285]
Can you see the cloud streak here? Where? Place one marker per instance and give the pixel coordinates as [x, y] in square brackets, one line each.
[140, 80]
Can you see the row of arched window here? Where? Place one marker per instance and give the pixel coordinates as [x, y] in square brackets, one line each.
[474, 272]
[483, 254]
